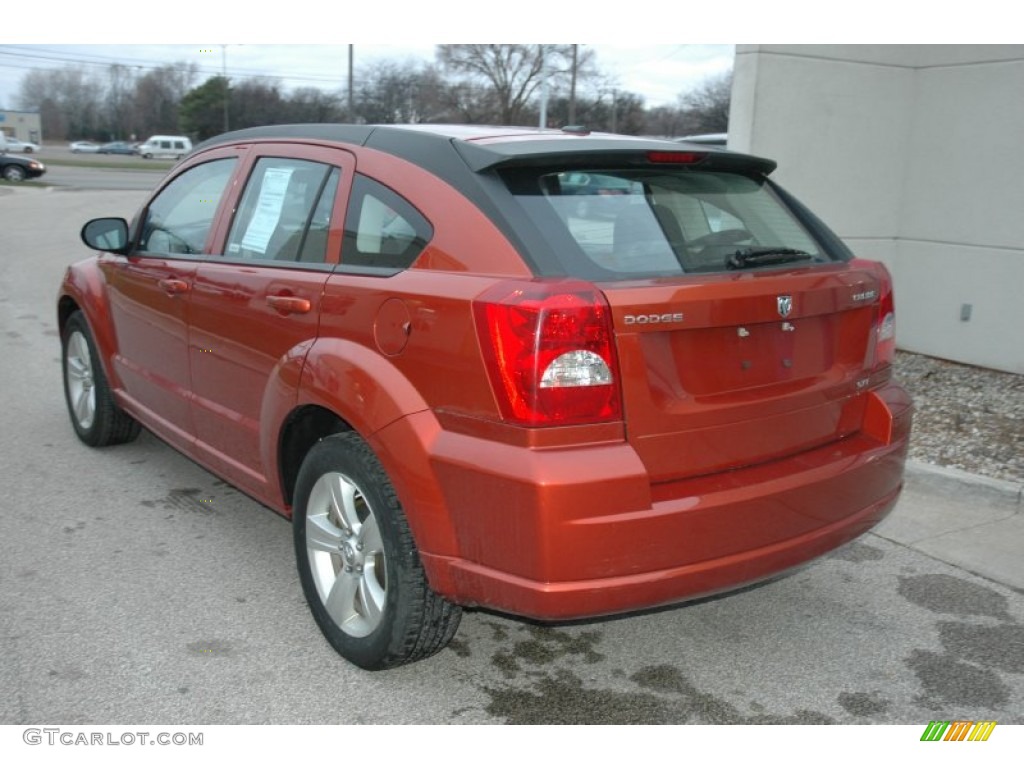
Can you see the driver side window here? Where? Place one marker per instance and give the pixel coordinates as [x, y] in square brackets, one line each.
[179, 218]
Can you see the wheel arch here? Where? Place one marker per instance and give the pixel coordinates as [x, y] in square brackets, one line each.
[347, 387]
[303, 428]
[82, 290]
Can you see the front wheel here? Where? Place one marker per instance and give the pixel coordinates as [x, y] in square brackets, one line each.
[97, 419]
[14, 173]
[358, 564]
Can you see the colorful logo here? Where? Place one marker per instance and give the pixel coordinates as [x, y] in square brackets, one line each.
[958, 730]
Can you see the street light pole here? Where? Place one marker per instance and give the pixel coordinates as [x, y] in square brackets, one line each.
[224, 75]
[351, 99]
[572, 86]
[543, 122]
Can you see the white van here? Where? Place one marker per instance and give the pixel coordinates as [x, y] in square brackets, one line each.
[165, 146]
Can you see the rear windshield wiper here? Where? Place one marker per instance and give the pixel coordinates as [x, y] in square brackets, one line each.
[750, 257]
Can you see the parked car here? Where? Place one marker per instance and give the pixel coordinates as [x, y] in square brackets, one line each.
[712, 139]
[117, 148]
[463, 394]
[165, 146]
[17, 168]
[84, 146]
[22, 147]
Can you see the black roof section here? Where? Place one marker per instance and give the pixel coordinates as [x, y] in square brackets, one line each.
[486, 147]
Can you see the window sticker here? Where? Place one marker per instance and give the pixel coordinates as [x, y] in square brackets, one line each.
[268, 209]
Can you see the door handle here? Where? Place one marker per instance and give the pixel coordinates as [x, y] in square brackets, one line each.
[172, 286]
[289, 304]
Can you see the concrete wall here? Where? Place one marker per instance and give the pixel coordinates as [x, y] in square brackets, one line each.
[914, 155]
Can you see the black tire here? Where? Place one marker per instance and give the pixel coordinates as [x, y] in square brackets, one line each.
[14, 173]
[374, 565]
[96, 418]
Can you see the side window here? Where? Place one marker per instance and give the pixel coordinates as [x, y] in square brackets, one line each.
[382, 229]
[285, 212]
[179, 219]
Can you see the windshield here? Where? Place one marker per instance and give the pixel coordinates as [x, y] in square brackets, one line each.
[609, 224]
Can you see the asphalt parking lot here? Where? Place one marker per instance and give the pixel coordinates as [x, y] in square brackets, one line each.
[137, 588]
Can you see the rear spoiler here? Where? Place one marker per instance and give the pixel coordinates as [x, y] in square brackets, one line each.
[591, 151]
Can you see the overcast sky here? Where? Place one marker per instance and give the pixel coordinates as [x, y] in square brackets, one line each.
[659, 73]
[299, 40]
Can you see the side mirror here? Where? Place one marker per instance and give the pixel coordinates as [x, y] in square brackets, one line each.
[106, 235]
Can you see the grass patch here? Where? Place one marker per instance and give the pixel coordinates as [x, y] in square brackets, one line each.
[26, 183]
[124, 165]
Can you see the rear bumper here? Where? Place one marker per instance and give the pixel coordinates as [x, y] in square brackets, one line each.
[574, 533]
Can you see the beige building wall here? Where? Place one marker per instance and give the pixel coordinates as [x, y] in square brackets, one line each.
[913, 154]
[21, 125]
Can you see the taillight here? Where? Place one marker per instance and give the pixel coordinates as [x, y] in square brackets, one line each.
[885, 324]
[549, 352]
[885, 313]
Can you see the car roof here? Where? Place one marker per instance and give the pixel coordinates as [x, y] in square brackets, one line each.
[463, 156]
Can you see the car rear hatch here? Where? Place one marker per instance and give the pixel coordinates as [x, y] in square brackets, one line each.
[744, 331]
[734, 370]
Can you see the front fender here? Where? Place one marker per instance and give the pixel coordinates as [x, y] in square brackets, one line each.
[85, 288]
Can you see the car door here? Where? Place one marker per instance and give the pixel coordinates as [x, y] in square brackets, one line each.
[255, 310]
[149, 294]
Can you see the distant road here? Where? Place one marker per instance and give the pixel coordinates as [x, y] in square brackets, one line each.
[78, 177]
[100, 178]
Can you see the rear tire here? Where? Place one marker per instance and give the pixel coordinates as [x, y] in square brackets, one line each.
[358, 563]
[96, 418]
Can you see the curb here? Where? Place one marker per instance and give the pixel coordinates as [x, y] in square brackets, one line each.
[1012, 492]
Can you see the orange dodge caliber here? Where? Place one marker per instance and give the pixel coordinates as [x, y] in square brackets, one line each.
[553, 373]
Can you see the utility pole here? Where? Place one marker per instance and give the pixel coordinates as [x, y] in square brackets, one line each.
[572, 87]
[224, 74]
[543, 122]
[614, 106]
[351, 98]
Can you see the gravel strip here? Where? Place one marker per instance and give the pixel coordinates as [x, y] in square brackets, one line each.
[966, 418]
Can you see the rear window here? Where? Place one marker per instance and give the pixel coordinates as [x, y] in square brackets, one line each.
[617, 224]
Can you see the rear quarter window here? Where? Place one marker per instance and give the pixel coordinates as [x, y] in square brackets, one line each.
[382, 229]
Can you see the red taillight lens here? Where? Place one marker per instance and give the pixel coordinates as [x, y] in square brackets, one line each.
[549, 351]
[680, 158]
[884, 332]
[885, 324]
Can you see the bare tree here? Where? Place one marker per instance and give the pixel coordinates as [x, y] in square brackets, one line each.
[311, 105]
[707, 106]
[69, 95]
[157, 96]
[393, 92]
[118, 104]
[666, 121]
[514, 72]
